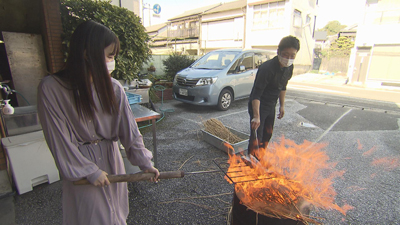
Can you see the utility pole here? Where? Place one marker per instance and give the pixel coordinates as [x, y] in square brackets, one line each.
[146, 6]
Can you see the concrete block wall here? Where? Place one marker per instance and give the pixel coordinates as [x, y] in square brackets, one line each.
[157, 61]
[49, 26]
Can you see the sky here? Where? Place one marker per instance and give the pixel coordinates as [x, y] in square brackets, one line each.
[347, 12]
[171, 8]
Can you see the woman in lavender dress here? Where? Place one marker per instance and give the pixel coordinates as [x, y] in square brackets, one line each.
[84, 112]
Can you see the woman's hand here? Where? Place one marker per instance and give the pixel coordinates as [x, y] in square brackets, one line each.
[102, 181]
[153, 170]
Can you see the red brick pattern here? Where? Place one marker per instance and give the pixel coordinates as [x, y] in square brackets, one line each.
[52, 30]
[3, 164]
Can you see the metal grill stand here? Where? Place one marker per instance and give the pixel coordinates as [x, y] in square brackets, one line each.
[241, 215]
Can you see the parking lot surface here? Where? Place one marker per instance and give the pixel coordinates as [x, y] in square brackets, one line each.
[355, 138]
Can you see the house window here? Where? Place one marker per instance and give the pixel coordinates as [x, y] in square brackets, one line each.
[269, 15]
[297, 18]
[382, 17]
[390, 17]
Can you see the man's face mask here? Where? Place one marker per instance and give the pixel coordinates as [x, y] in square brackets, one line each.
[285, 62]
[111, 66]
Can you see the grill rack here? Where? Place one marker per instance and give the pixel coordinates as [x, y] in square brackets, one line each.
[223, 165]
[302, 217]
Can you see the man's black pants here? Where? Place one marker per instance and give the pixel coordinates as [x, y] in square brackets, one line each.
[264, 131]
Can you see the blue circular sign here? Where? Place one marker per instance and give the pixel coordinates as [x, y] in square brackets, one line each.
[156, 9]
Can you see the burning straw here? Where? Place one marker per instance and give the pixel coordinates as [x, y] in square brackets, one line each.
[286, 178]
[217, 128]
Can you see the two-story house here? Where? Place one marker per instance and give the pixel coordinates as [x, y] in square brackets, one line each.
[250, 24]
[268, 21]
[376, 55]
[159, 40]
[223, 27]
[184, 30]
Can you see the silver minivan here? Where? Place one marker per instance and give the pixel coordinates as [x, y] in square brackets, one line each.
[219, 77]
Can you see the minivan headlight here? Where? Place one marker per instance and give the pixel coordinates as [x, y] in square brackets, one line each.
[206, 81]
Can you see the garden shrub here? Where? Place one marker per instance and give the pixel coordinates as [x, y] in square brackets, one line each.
[175, 63]
[125, 24]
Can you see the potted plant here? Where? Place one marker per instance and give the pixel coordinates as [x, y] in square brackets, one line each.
[151, 68]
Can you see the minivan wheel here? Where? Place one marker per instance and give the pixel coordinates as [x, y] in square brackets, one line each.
[224, 100]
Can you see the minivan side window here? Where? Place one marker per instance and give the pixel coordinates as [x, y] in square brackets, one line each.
[260, 58]
[233, 68]
[247, 62]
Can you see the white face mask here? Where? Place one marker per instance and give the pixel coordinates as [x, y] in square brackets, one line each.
[111, 66]
[285, 62]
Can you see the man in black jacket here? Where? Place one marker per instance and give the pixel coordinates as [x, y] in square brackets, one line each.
[269, 85]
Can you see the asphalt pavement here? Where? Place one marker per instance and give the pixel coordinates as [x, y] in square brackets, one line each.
[360, 136]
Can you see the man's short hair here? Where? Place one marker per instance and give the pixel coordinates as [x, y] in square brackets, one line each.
[289, 42]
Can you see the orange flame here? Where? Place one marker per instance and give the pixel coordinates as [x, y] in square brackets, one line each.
[286, 176]
[360, 146]
[389, 163]
[369, 152]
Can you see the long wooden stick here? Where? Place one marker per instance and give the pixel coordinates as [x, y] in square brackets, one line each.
[136, 177]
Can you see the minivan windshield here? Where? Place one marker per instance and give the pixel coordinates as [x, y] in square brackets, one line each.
[215, 60]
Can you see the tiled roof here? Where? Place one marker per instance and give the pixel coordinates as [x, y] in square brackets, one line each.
[228, 6]
[155, 28]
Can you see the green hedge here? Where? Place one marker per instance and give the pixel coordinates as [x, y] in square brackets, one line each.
[124, 23]
[175, 63]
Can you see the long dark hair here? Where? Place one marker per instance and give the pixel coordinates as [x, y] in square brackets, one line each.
[86, 65]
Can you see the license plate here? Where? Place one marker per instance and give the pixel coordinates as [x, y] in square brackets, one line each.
[183, 92]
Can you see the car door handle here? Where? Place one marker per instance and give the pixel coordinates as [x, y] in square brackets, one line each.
[251, 74]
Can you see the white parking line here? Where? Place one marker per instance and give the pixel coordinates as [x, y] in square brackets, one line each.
[327, 130]
[230, 114]
[333, 124]
[193, 121]
[225, 115]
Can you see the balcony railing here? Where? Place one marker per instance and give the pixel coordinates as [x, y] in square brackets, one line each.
[184, 33]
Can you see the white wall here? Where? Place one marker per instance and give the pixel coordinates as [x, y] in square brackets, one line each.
[132, 5]
[223, 15]
[307, 43]
[270, 38]
[372, 31]
[222, 30]
[157, 61]
[266, 37]
[375, 34]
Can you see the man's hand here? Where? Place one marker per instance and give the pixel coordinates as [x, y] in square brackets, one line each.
[102, 181]
[153, 170]
[281, 112]
[255, 123]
